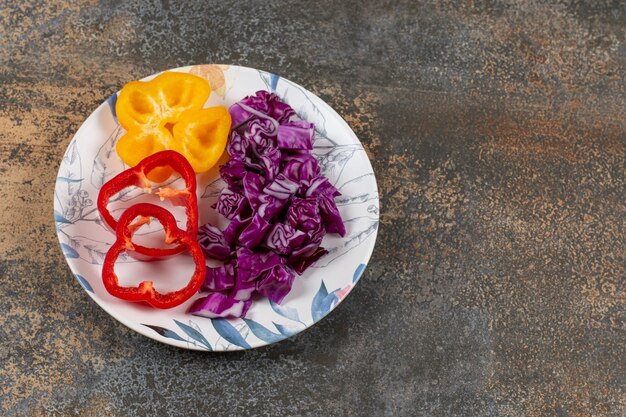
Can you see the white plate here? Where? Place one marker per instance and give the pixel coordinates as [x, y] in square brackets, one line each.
[91, 160]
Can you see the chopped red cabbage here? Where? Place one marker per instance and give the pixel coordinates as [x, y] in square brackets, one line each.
[270, 206]
[219, 279]
[212, 242]
[219, 305]
[296, 135]
[304, 252]
[276, 283]
[279, 205]
[232, 173]
[331, 216]
[261, 136]
[321, 185]
[255, 231]
[252, 264]
[235, 227]
[304, 214]
[302, 265]
[253, 188]
[282, 238]
[243, 290]
[282, 188]
[237, 146]
[230, 203]
[270, 105]
[301, 168]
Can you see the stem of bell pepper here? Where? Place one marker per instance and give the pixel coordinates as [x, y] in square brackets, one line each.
[145, 291]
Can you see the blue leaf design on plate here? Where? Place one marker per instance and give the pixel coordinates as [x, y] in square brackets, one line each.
[165, 332]
[273, 82]
[65, 179]
[284, 330]
[194, 334]
[262, 332]
[112, 101]
[357, 273]
[68, 251]
[327, 304]
[317, 301]
[58, 217]
[228, 332]
[322, 303]
[86, 285]
[270, 80]
[290, 313]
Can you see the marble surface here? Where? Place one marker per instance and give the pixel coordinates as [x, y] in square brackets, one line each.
[497, 132]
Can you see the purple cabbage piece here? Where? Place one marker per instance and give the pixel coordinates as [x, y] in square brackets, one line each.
[230, 203]
[242, 290]
[296, 135]
[270, 206]
[330, 215]
[237, 146]
[261, 136]
[259, 102]
[219, 279]
[281, 188]
[321, 185]
[270, 163]
[300, 168]
[269, 104]
[316, 235]
[212, 242]
[310, 246]
[262, 153]
[232, 172]
[304, 252]
[252, 188]
[255, 231]
[276, 283]
[235, 227]
[238, 115]
[219, 305]
[281, 111]
[252, 264]
[303, 214]
[283, 238]
[302, 265]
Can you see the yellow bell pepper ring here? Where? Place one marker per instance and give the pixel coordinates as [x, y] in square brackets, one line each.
[152, 111]
[161, 101]
[136, 145]
[201, 136]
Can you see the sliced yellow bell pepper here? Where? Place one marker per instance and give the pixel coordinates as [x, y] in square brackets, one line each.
[166, 113]
[201, 136]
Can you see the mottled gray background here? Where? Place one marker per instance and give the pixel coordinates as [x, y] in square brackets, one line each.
[497, 132]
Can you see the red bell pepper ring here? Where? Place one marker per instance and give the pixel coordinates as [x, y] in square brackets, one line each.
[137, 176]
[145, 291]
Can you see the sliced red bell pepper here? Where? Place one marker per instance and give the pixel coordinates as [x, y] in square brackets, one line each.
[137, 176]
[145, 291]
